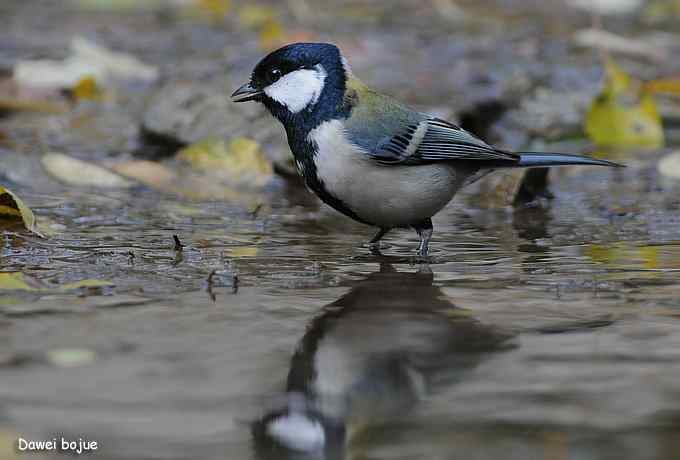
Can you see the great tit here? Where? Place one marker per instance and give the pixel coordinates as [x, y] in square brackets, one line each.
[367, 155]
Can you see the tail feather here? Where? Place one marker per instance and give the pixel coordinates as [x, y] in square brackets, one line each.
[537, 159]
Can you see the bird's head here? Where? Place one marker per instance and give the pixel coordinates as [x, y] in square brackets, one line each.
[298, 80]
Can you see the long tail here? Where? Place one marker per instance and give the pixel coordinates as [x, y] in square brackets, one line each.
[537, 159]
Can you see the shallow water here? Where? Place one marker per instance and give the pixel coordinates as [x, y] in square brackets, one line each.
[544, 332]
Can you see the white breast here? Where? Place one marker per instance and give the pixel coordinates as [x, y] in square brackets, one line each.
[390, 196]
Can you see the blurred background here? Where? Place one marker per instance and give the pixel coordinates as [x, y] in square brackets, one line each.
[168, 288]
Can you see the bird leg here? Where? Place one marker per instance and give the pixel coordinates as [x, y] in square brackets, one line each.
[424, 229]
[374, 243]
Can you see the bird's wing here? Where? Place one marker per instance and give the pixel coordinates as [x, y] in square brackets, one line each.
[433, 140]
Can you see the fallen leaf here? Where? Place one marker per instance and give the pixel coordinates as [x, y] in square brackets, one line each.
[13, 209]
[241, 162]
[624, 255]
[243, 251]
[669, 165]
[17, 281]
[80, 173]
[663, 86]
[87, 89]
[191, 184]
[624, 114]
[150, 173]
[87, 59]
[67, 304]
[71, 357]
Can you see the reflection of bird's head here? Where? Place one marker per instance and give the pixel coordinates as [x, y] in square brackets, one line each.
[379, 349]
[295, 427]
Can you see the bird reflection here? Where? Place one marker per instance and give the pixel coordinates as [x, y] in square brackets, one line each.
[368, 359]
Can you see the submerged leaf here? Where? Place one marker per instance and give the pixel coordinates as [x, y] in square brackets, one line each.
[13, 209]
[624, 115]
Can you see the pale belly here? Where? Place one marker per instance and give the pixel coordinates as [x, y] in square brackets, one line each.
[382, 195]
[395, 196]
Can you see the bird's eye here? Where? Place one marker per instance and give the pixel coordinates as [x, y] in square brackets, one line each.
[274, 75]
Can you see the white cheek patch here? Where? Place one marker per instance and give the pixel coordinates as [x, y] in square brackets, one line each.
[299, 89]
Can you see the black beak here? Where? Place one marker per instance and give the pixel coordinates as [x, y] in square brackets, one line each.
[245, 93]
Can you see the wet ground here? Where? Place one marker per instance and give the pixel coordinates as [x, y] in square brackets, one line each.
[550, 330]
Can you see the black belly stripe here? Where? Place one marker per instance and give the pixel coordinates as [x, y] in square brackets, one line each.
[304, 154]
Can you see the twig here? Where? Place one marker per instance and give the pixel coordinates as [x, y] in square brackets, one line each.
[178, 243]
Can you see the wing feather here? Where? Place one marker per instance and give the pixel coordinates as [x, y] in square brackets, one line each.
[433, 140]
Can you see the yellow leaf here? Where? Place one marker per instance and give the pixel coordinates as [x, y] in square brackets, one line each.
[241, 162]
[624, 255]
[618, 81]
[243, 251]
[88, 89]
[17, 281]
[13, 209]
[624, 114]
[663, 86]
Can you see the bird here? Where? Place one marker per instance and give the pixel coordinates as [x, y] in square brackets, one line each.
[366, 154]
